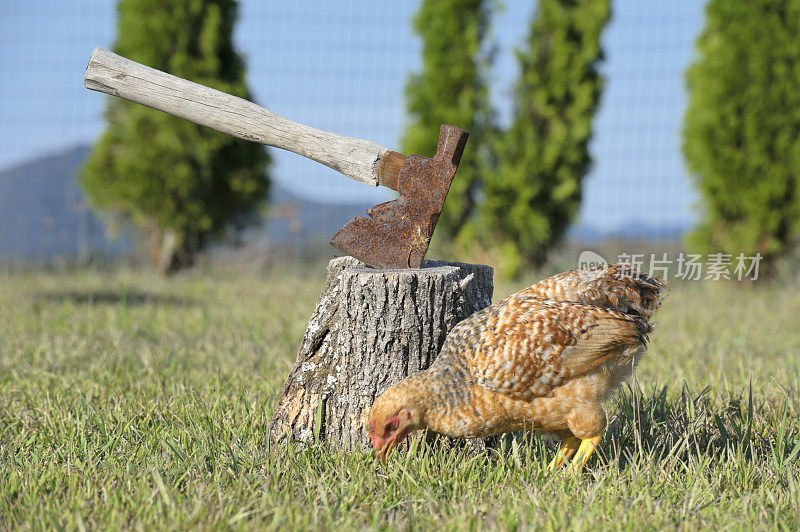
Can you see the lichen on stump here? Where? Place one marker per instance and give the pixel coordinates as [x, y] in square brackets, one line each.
[370, 329]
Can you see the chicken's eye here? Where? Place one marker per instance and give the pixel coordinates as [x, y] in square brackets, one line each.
[391, 426]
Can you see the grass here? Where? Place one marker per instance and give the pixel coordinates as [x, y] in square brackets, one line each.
[130, 402]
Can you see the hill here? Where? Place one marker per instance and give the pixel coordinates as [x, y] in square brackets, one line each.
[44, 215]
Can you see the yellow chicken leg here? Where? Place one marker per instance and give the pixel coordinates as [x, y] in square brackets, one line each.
[567, 449]
[584, 453]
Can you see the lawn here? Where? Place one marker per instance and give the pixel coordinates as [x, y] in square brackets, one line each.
[128, 401]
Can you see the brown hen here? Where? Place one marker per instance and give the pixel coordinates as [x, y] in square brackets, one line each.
[544, 359]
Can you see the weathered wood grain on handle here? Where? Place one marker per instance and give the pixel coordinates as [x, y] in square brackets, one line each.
[112, 74]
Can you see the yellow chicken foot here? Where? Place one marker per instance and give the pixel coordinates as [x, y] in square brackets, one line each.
[567, 449]
[584, 453]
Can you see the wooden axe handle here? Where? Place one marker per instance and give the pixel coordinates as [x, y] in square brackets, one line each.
[358, 159]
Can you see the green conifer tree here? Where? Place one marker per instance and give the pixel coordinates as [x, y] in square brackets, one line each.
[451, 89]
[180, 183]
[535, 191]
[742, 128]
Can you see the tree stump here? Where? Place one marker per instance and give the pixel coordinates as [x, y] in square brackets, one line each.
[370, 329]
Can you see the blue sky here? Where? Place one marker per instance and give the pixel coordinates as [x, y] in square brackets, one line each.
[342, 66]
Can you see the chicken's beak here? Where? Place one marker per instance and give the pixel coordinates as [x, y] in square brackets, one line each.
[391, 443]
[384, 451]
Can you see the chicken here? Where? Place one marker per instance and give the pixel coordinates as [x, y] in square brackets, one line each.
[542, 359]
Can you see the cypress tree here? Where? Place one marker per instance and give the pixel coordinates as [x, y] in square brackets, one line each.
[180, 183]
[535, 191]
[742, 127]
[451, 89]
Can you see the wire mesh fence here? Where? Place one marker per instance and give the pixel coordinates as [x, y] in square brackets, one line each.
[338, 66]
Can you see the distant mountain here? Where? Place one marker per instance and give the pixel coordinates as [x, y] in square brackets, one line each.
[44, 215]
[634, 230]
[293, 220]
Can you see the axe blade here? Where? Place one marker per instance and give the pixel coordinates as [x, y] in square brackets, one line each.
[398, 232]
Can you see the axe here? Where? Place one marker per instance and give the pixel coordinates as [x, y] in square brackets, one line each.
[396, 234]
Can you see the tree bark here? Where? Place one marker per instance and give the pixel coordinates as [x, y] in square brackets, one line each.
[370, 329]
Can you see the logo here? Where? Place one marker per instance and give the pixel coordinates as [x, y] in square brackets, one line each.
[590, 259]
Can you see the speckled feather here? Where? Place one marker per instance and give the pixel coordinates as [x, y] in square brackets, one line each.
[621, 287]
[543, 358]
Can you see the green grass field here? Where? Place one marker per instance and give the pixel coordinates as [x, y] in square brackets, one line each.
[128, 401]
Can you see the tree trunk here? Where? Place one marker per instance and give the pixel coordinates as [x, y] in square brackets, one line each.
[170, 251]
[371, 328]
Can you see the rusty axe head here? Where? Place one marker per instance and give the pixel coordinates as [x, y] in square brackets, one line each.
[398, 232]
